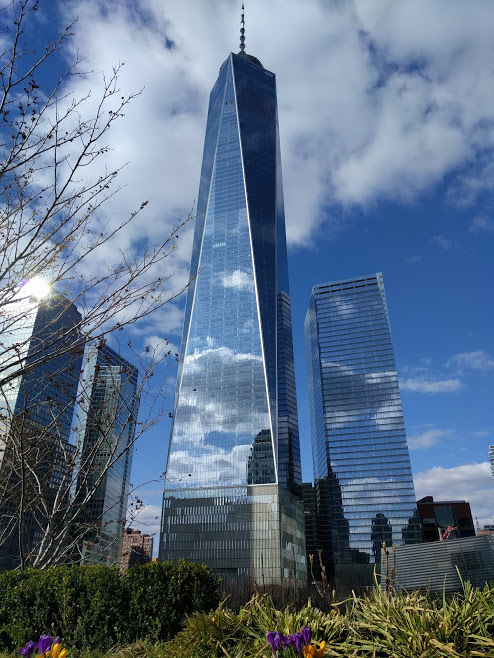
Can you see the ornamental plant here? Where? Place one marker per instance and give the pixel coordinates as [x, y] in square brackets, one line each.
[294, 644]
[45, 647]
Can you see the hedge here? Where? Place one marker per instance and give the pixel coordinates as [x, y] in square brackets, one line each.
[92, 607]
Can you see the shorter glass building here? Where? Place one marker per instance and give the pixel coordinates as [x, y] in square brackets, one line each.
[106, 429]
[362, 469]
[40, 363]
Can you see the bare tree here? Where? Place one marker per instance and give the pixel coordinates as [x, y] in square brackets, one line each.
[55, 302]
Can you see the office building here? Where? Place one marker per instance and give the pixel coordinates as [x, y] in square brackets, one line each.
[105, 431]
[437, 516]
[491, 459]
[361, 462]
[137, 548]
[41, 358]
[443, 566]
[234, 459]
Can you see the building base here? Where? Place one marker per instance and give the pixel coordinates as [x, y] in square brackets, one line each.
[253, 532]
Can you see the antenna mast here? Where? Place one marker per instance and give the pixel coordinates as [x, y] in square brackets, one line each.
[242, 31]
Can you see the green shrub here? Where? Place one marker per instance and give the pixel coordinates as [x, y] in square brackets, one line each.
[162, 594]
[92, 607]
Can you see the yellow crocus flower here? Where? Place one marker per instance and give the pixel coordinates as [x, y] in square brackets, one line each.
[56, 650]
[63, 653]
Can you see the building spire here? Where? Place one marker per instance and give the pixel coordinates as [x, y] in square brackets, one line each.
[242, 32]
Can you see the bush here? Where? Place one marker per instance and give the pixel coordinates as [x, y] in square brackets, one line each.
[92, 607]
[162, 594]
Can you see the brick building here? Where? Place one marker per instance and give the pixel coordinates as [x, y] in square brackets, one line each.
[137, 548]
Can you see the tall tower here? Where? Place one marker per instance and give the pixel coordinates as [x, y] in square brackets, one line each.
[361, 460]
[491, 460]
[106, 429]
[234, 459]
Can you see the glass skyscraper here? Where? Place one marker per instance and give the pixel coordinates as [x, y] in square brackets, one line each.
[491, 460]
[107, 422]
[41, 340]
[233, 468]
[361, 460]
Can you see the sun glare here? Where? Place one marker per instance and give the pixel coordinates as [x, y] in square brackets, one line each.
[37, 288]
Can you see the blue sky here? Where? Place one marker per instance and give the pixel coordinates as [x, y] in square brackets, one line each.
[387, 134]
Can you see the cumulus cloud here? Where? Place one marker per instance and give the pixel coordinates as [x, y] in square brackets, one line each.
[470, 482]
[423, 385]
[376, 100]
[428, 438]
[476, 360]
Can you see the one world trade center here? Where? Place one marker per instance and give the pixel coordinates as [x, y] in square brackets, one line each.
[233, 470]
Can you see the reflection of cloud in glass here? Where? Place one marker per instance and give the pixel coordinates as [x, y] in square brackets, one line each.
[380, 377]
[337, 368]
[223, 407]
[200, 360]
[238, 279]
[344, 308]
[208, 466]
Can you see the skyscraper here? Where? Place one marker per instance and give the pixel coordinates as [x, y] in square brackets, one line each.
[234, 458]
[361, 461]
[40, 339]
[107, 421]
[491, 459]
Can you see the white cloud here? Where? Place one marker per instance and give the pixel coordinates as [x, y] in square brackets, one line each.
[442, 241]
[422, 385]
[477, 360]
[376, 100]
[428, 438]
[481, 224]
[470, 482]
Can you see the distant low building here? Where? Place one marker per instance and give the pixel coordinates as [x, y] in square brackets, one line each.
[137, 548]
[437, 516]
[443, 565]
[486, 530]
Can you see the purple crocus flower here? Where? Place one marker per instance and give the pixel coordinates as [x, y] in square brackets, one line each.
[298, 642]
[306, 636]
[58, 640]
[29, 649]
[44, 643]
[272, 641]
[287, 640]
[275, 639]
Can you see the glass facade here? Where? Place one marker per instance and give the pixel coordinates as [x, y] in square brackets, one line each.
[107, 420]
[491, 459]
[361, 460]
[234, 438]
[36, 410]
